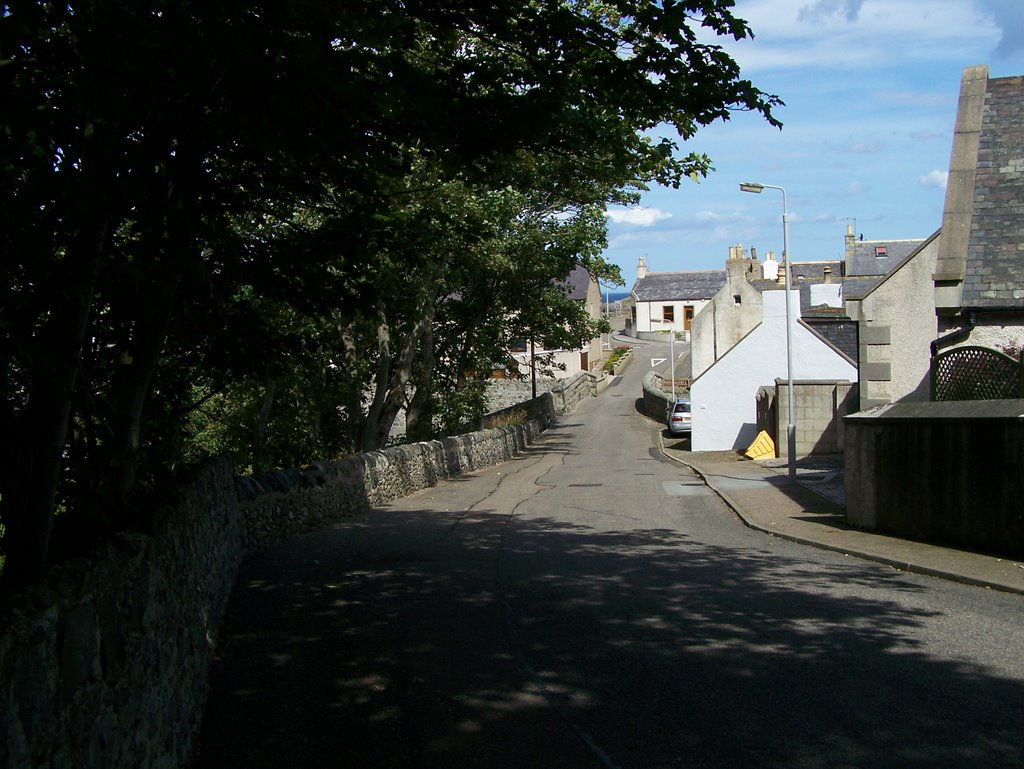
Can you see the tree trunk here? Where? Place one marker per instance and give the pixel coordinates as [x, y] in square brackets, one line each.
[34, 455]
[419, 414]
[133, 382]
[390, 390]
[259, 434]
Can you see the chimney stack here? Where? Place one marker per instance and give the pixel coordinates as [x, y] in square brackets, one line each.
[641, 268]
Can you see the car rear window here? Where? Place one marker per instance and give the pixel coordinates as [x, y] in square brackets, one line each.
[682, 408]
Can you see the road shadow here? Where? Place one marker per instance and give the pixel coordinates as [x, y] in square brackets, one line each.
[427, 637]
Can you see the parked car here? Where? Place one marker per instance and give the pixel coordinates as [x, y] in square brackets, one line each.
[677, 419]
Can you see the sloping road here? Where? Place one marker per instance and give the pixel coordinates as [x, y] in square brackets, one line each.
[591, 604]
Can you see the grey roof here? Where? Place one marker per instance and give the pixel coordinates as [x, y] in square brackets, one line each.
[994, 270]
[803, 276]
[578, 282]
[679, 286]
[858, 287]
[879, 257]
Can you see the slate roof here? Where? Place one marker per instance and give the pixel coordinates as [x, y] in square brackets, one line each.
[679, 286]
[805, 274]
[879, 257]
[994, 270]
[578, 283]
[858, 287]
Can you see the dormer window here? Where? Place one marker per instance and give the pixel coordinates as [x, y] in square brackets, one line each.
[881, 251]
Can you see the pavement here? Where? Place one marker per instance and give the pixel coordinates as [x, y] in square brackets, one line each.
[810, 511]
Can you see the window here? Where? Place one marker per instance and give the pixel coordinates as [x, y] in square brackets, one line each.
[881, 251]
[668, 313]
[519, 345]
[737, 299]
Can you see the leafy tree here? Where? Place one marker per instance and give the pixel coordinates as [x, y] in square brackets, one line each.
[242, 206]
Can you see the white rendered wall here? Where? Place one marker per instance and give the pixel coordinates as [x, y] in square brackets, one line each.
[724, 396]
[649, 314]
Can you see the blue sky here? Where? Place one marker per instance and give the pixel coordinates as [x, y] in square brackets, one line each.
[871, 89]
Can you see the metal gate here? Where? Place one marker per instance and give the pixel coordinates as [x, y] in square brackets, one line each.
[975, 374]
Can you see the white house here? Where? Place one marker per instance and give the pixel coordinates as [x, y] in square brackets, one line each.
[724, 396]
[669, 301]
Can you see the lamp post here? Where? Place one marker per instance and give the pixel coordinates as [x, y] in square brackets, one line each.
[671, 353]
[757, 189]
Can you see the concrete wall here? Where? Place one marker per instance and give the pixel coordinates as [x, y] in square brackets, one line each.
[897, 324]
[818, 413]
[106, 663]
[724, 396]
[996, 330]
[946, 472]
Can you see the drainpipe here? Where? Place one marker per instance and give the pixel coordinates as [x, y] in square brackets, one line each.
[954, 336]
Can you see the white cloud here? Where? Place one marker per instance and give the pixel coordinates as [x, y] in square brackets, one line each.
[933, 179]
[868, 34]
[639, 217]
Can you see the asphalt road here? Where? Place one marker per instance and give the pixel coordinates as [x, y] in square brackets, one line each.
[592, 604]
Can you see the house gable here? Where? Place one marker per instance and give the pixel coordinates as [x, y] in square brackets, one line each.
[724, 396]
[992, 270]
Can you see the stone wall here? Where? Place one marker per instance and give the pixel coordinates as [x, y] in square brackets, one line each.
[567, 395]
[655, 400]
[282, 504]
[947, 472]
[106, 663]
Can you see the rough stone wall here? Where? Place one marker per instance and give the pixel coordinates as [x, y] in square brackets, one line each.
[106, 663]
[505, 393]
[282, 504]
[655, 400]
[569, 394]
[541, 408]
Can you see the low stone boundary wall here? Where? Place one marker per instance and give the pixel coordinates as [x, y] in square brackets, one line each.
[570, 393]
[541, 408]
[106, 663]
[282, 504]
[947, 472]
[656, 400]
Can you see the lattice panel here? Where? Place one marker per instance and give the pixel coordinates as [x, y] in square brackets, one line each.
[975, 373]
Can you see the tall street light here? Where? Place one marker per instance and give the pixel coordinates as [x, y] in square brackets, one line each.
[757, 189]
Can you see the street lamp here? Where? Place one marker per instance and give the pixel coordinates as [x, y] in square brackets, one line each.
[757, 189]
[671, 353]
